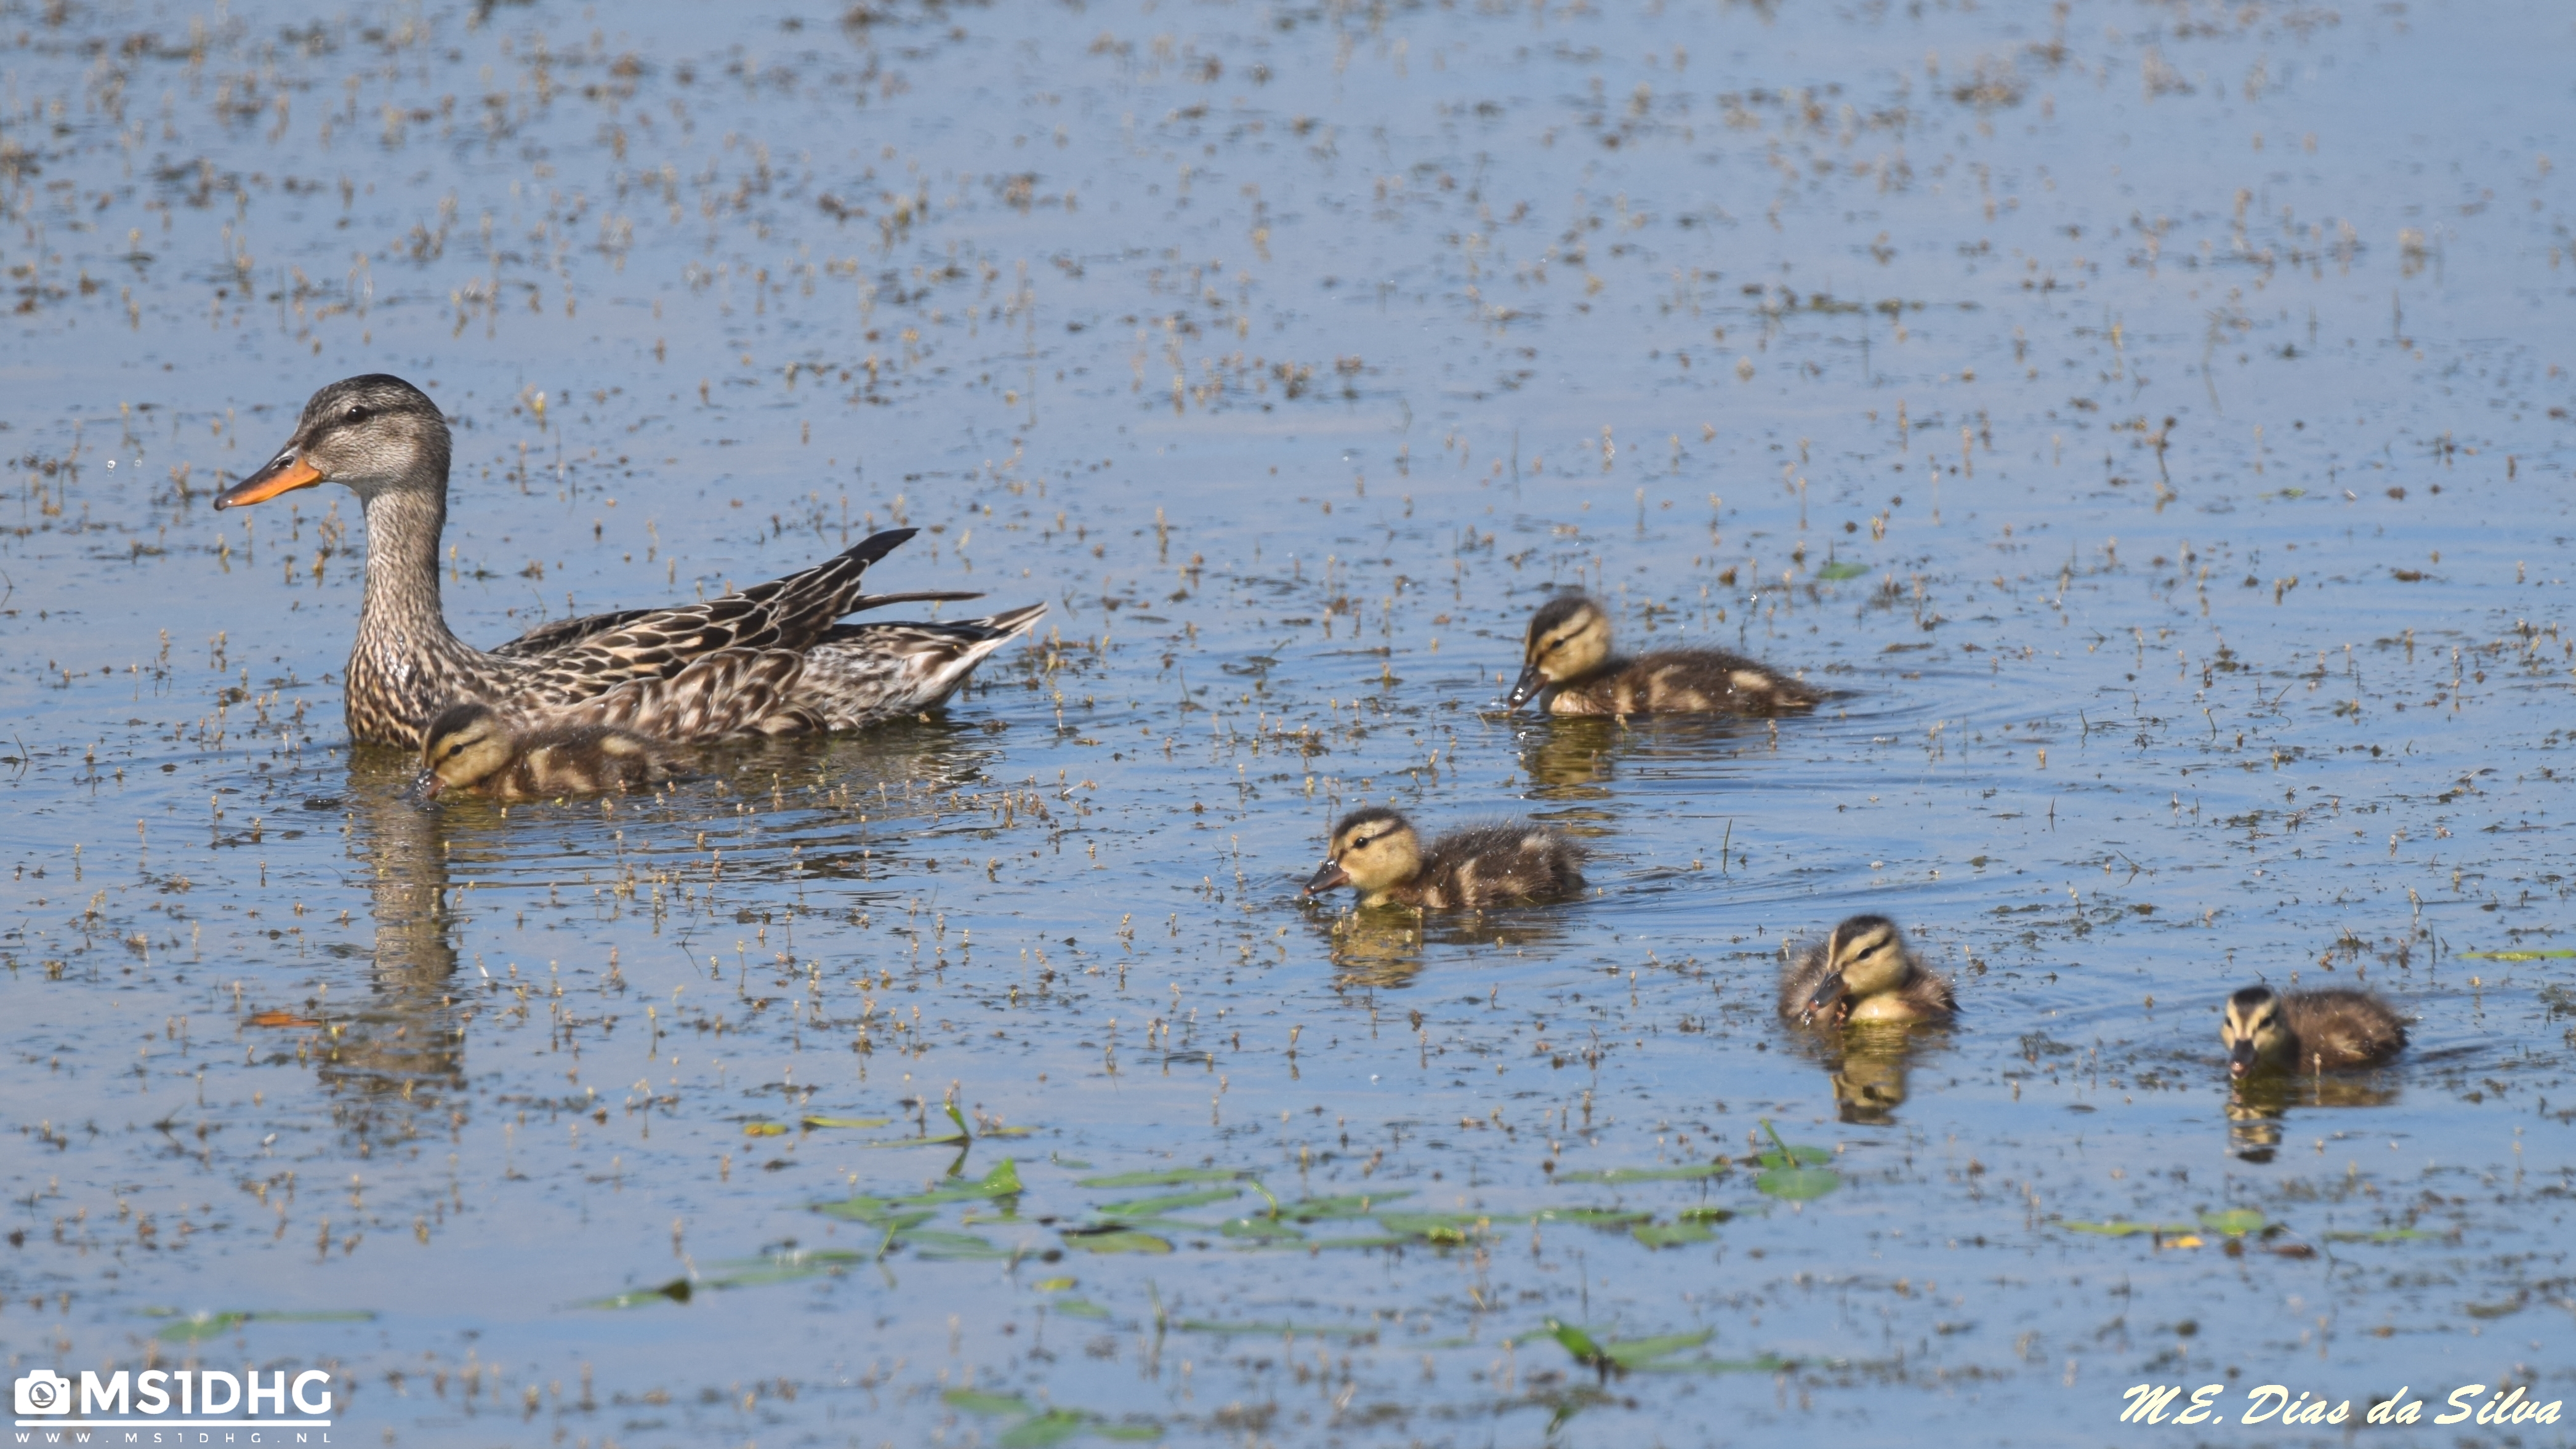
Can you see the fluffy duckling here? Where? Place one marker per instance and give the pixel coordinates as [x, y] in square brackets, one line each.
[471, 747]
[1567, 667]
[1864, 972]
[2308, 1031]
[1512, 863]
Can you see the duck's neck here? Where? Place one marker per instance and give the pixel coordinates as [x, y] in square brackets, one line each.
[404, 664]
[403, 527]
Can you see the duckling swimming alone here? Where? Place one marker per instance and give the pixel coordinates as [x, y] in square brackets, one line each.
[1864, 972]
[1568, 668]
[471, 747]
[2308, 1031]
[1511, 863]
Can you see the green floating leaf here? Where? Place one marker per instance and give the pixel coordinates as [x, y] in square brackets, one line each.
[678, 1290]
[2513, 955]
[1706, 1214]
[1794, 1156]
[1577, 1342]
[920, 1142]
[1314, 1330]
[1637, 1353]
[1594, 1217]
[1002, 1181]
[1372, 1240]
[1259, 1229]
[2235, 1222]
[1128, 1433]
[1842, 570]
[1122, 1240]
[1016, 1132]
[1671, 1235]
[764, 1129]
[1445, 1230]
[194, 1327]
[1078, 1308]
[1071, 1164]
[1682, 1173]
[1338, 1209]
[1173, 1177]
[1797, 1184]
[815, 1122]
[976, 1401]
[931, 1243]
[2384, 1235]
[1769, 1363]
[2122, 1228]
[1147, 1207]
[1052, 1427]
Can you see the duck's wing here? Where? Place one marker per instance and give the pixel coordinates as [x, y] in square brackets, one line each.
[858, 674]
[724, 695]
[789, 613]
[557, 634]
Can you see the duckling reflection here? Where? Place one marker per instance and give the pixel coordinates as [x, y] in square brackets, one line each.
[1387, 949]
[2259, 1107]
[1869, 1077]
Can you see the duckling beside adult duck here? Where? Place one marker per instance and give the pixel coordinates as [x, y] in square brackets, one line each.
[1567, 667]
[1864, 972]
[770, 660]
[1378, 853]
[2268, 1033]
[472, 747]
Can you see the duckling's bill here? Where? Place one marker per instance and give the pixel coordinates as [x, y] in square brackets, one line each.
[284, 474]
[1827, 993]
[1328, 876]
[1525, 688]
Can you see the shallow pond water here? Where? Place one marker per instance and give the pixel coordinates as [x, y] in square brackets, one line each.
[2150, 420]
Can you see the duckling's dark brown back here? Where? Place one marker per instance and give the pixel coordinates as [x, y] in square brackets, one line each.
[2341, 1028]
[1499, 864]
[1673, 680]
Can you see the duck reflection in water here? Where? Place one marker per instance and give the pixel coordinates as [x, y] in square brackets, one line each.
[1385, 948]
[1579, 757]
[2258, 1108]
[399, 1051]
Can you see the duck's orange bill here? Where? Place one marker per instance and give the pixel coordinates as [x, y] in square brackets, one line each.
[283, 476]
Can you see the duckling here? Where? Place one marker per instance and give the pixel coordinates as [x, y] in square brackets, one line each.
[1864, 972]
[2308, 1031]
[471, 747]
[1567, 667]
[1503, 864]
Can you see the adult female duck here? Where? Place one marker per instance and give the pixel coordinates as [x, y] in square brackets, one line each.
[770, 660]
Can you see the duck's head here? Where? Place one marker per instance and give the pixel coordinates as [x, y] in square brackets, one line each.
[466, 745]
[1568, 638]
[1371, 850]
[1864, 958]
[2253, 1033]
[376, 434]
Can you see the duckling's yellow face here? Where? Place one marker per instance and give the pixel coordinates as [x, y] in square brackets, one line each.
[463, 747]
[1371, 850]
[1865, 958]
[1567, 639]
[2253, 1033]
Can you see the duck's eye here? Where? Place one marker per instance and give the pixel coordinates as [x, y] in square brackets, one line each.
[357, 413]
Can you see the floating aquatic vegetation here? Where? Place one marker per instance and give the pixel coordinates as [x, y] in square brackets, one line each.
[1654, 1355]
[1614, 1175]
[1038, 1428]
[194, 1327]
[774, 1268]
[1790, 1173]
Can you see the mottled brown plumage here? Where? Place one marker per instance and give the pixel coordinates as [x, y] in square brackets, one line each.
[472, 747]
[1567, 667]
[2268, 1033]
[770, 660]
[1512, 863]
[1864, 972]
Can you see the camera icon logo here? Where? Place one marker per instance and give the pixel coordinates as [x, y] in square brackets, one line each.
[44, 1392]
